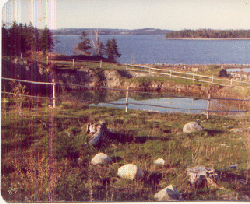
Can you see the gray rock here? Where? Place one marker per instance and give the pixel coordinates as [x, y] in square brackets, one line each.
[192, 127]
[130, 171]
[168, 194]
[101, 159]
[200, 174]
[98, 133]
[238, 130]
[160, 161]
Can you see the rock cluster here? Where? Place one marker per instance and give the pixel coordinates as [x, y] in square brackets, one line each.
[199, 176]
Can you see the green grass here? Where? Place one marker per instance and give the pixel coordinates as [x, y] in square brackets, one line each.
[41, 164]
[141, 137]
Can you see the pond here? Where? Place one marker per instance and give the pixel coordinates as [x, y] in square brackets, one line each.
[162, 105]
[154, 102]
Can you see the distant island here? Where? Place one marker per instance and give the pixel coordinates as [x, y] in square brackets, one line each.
[109, 31]
[183, 34]
[209, 34]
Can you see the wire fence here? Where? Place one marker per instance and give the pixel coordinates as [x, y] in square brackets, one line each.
[206, 110]
[195, 77]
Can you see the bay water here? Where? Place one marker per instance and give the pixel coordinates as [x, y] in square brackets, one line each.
[151, 49]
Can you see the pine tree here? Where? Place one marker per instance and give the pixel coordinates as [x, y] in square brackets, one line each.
[14, 39]
[46, 42]
[112, 50]
[5, 41]
[84, 45]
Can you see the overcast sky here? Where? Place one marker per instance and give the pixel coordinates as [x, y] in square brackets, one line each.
[130, 14]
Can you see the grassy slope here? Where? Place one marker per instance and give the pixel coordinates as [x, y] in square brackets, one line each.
[25, 147]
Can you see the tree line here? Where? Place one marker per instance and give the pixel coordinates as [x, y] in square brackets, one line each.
[209, 33]
[22, 38]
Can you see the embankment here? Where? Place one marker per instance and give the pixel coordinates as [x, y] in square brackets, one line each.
[34, 71]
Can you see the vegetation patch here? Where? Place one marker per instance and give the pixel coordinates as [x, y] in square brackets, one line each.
[46, 149]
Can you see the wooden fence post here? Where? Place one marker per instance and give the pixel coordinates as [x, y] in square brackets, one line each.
[101, 64]
[54, 93]
[47, 59]
[208, 104]
[126, 110]
[170, 73]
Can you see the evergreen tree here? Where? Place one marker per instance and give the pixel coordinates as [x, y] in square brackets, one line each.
[22, 45]
[5, 41]
[112, 50]
[31, 38]
[21, 38]
[101, 49]
[46, 41]
[14, 39]
[84, 45]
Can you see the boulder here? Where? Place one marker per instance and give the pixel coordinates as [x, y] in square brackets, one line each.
[200, 176]
[160, 161]
[98, 133]
[130, 171]
[167, 194]
[192, 127]
[223, 73]
[100, 159]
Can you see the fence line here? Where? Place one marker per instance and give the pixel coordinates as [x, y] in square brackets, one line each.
[127, 91]
[117, 89]
[27, 81]
[193, 74]
[132, 103]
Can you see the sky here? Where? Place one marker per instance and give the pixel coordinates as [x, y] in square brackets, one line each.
[129, 14]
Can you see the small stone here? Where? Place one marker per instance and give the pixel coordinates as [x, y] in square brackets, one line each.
[160, 161]
[130, 171]
[100, 159]
[167, 194]
[237, 130]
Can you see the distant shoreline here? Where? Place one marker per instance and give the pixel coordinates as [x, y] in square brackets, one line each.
[206, 38]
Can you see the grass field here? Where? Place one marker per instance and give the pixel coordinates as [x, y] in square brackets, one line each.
[44, 157]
